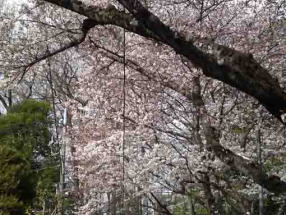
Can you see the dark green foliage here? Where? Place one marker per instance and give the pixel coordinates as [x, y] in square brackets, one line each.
[46, 193]
[27, 165]
[26, 126]
[16, 181]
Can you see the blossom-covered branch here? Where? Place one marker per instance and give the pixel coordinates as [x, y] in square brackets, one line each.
[236, 162]
[237, 69]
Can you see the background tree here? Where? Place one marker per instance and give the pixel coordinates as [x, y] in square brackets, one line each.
[29, 162]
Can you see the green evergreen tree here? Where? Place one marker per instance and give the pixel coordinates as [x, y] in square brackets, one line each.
[27, 165]
[16, 181]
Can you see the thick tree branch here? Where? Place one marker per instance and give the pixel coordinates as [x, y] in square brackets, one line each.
[209, 195]
[106, 16]
[225, 64]
[236, 162]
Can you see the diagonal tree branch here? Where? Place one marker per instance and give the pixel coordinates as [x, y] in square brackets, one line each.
[239, 163]
[86, 26]
[227, 65]
[232, 67]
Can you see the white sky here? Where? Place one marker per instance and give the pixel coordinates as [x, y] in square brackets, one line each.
[12, 2]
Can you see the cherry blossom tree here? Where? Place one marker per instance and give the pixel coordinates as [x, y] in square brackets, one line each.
[200, 78]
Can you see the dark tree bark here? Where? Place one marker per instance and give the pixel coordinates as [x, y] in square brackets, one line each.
[209, 195]
[232, 67]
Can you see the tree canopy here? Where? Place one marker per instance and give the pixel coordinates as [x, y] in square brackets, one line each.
[177, 104]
